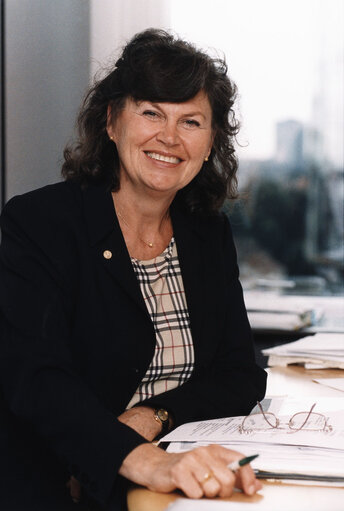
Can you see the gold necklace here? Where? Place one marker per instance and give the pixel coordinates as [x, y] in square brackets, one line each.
[148, 243]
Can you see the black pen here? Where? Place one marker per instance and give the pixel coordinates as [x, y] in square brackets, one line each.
[240, 463]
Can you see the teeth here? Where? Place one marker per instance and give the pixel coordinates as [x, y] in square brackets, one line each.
[160, 157]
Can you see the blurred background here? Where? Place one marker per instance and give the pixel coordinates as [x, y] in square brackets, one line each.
[287, 61]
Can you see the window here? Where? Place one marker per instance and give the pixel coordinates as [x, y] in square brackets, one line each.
[287, 60]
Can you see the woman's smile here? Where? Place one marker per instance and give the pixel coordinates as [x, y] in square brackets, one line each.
[166, 158]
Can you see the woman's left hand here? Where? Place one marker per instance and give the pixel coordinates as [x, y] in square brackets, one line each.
[202, 472]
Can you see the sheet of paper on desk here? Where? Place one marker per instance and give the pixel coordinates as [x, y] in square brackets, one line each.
[273, 497]
[326, 345]
[227, 430]
[323, 404]
[208, 505]
[212, 505]
[334, 383]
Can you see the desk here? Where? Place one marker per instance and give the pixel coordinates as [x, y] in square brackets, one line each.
[293, 381]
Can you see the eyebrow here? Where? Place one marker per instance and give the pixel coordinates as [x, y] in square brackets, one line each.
[186, 114]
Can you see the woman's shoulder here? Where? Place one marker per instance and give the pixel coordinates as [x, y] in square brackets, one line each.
[48, 212]
[46, 198]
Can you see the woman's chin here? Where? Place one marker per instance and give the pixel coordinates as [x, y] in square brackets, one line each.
[163, 187]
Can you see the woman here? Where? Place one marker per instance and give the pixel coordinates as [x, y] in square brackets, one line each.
[121, 311]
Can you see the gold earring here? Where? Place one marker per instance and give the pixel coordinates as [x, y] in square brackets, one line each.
[206, 159]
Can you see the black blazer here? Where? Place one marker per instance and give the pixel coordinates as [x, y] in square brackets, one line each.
[76, 340]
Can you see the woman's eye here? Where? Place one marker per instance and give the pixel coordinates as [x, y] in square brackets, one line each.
[190, 123]
[150, 114]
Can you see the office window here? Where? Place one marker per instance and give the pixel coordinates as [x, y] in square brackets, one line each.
[287, 60]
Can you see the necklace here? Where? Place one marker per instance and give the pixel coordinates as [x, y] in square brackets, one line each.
[149, 244]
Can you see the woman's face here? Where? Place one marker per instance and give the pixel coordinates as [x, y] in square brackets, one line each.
[162, 146]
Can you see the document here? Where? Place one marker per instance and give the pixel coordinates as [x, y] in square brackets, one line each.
[227, 430]
[317, 454]
[278, 313]
[270, 311]
[314, 351]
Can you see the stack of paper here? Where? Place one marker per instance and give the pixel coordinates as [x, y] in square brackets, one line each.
[278, 313]
[283, 453]
[314, 352]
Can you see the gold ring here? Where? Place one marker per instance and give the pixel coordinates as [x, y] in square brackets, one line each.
[206, 477]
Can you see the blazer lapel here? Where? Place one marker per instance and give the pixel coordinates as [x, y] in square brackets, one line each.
[107, 240]
[191, 246]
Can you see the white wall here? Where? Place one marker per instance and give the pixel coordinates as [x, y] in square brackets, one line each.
[113, 22]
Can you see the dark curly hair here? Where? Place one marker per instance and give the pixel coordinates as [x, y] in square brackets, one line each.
[158, 67]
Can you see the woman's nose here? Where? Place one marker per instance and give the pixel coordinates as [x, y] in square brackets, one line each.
[168, 134]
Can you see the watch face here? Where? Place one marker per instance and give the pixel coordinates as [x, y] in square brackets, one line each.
[163, 415]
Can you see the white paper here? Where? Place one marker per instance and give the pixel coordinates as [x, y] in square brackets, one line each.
[208, 505]
[227, 430]
[284, 459]
[270, 498]
[319, 350]
[334, 383]
[318, 344]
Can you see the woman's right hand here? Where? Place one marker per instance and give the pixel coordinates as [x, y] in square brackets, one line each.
[200, 472]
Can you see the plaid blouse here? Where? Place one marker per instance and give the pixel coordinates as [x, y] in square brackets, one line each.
[162, 288]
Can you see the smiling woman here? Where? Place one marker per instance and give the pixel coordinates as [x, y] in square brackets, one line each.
[122, 314]
[149, 76]
[161, 146]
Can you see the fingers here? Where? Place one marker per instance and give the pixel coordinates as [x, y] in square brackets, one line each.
[202, 472]
[192, 475]
[185, 480]
[214, 460]
[220, 483]
[225, 477]
[246, 480]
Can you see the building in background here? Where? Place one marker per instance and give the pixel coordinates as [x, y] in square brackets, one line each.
[289, 142]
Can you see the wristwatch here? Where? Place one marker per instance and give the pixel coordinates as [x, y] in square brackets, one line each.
[162, 416]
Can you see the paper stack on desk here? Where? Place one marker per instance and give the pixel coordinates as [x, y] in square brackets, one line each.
[283, 453]
[273, 313]
[317, 351]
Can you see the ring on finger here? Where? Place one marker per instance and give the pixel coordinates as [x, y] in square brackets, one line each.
[206, 477]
